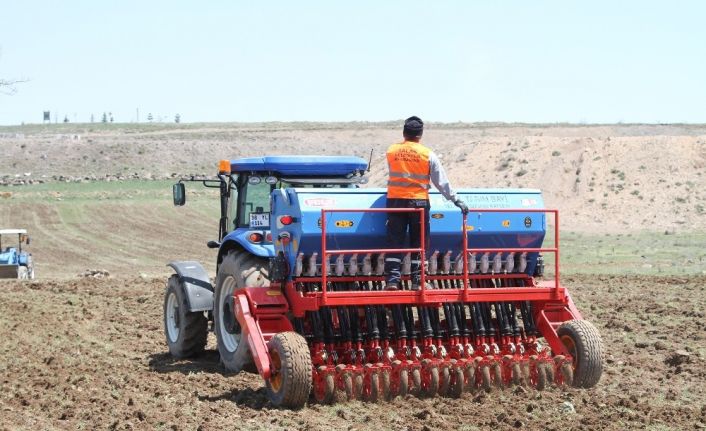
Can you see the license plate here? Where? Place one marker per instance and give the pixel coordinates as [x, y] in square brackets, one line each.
[259, 220]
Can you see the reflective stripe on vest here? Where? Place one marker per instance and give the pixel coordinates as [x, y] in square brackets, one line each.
[401, 184]
[409, 171]
[407, 175]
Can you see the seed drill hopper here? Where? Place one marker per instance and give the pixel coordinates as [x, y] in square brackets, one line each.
[316, 321]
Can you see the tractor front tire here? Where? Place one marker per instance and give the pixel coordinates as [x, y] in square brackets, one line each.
[584, 343]
[238, 269]
[290, 383]
[186, 332]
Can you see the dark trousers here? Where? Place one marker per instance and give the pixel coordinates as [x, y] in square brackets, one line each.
[398, 224]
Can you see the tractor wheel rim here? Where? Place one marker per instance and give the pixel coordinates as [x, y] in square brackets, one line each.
[173, 317]
[228, 340]
[571, 347]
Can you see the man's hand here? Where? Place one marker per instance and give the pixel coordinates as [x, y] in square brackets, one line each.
[462, 205]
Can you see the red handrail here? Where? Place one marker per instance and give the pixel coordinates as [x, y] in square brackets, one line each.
[421, 250]
[554, 249]
[325, 253]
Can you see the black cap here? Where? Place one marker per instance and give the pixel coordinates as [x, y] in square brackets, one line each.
[413, 126]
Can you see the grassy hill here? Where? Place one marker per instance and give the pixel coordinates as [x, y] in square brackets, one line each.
[632, 197]
[131, 227]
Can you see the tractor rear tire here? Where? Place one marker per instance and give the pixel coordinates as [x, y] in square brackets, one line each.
[238, 269]
[290, 384]
[186, 332]
[584, 343]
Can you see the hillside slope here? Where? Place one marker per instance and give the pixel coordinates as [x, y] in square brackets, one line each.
[609, 178]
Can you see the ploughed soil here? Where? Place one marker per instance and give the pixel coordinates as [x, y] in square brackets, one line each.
[90, 354]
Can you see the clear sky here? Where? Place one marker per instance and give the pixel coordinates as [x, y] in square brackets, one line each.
[531, 61]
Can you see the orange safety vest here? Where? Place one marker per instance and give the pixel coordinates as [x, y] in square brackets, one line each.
[409, 171]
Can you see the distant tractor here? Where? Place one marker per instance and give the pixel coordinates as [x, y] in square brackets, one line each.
[15, 263]
[300, 292]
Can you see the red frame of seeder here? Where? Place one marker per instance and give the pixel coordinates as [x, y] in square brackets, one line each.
[262, 313]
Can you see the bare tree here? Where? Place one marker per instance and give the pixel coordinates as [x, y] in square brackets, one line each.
[7, 86]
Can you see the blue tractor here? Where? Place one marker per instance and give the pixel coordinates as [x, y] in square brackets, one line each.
[246, 251]
[15, 263]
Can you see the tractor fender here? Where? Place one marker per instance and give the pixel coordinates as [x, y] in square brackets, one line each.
[24, 259]
[240, 237]
[196, 284]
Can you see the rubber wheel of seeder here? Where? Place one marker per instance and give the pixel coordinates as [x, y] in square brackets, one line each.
[430, 379]
[290, 382]
[348, 386]
[445, 380]
[516, 374]
[549, 371]
[540, 382]
[416, 378]
[584, 343]
[471, 383]
[498, 376]
[325, 391]
[385, 384]
[371, 387]
[486, 384]
[358, 386]
[457, 382]
[403, 384]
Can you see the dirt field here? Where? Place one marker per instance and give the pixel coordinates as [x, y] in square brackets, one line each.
[84, 353]
[90, 354]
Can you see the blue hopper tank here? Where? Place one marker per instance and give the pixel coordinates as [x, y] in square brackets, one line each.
[356, 230]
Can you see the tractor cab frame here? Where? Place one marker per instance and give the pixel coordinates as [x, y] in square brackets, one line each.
[245, 186]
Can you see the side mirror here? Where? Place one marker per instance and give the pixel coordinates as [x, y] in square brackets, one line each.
[179, 194]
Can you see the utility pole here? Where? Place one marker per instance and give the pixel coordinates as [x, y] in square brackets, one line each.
[138, 114]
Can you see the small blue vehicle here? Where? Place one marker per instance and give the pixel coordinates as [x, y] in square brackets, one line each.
[15, 263]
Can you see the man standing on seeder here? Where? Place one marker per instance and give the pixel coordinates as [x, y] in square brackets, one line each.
[413, 167]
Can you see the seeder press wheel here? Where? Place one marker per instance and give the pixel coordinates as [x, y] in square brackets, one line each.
[290, 382]
[584, 343]
[324, 386]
